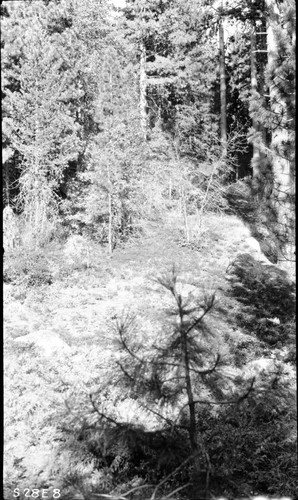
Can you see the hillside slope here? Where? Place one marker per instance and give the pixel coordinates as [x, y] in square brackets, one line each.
[59, 338]
[80, 299]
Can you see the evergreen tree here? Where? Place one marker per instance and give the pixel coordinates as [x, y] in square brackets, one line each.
[265, 95]
[37, 119]
[246, 57]
[175, 379]
[49, 96]
[10, 56]
[274, 111]
[238, 93]
[111, 167]
[178, 52]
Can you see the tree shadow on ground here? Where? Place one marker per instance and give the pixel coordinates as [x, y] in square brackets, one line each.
[268, 301]
[257, 206]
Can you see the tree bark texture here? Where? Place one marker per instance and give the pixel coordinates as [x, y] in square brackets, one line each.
[281, 165]
[223, 90]
[143, 101]
[256, 160]
[258, 86]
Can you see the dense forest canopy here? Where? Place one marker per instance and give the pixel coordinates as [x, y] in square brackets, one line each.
[201, 88]
[118, 117]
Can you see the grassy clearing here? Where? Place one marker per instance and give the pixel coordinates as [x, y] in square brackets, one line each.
[80, 301]
[60, 339]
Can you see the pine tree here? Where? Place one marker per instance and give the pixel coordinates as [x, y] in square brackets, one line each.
[49, 96]
[38, 120]
[238, 68]
[246, 63]
[176, 377]
[173, 35]
[10, 56]
[110, 168]
[268, 103]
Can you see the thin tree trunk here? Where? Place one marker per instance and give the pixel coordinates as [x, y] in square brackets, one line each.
[205, 200]
[143, 102]
[6, 190]
[192, 432]
[110, 227]
[258, 61]
[110, 233]
[7, 155]
[256, 156]
[223, 89]
[38, 216]
[184, 210]
[109, 175]
[187, 378]
[190, 398]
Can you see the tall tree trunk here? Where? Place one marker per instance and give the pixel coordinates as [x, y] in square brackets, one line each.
[143, 101]
[258, 86]
[6, 187]
[184, 211]
[255, 163]
[7, 154]
[223, 89]
[281, 165]
[110, 208]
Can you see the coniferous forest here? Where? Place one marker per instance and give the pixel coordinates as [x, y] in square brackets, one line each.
[148, 249]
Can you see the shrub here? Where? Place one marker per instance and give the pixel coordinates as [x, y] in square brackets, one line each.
[27, 267]
[253, 446]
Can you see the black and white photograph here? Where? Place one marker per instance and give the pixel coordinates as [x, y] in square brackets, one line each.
[148, 227]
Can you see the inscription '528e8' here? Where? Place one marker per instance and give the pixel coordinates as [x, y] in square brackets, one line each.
[37, 493]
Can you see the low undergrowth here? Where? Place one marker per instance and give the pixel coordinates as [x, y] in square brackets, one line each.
[60, 393]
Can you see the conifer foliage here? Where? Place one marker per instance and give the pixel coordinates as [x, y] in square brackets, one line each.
[37, 118]
[74, 75]
[124, 131]
[174, 380]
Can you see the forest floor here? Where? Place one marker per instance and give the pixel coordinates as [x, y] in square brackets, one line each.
[81, 300]
[66, 328]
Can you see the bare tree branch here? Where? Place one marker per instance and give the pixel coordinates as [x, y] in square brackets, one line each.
[125, 372]
[167, 420]
[102, 415]
[176, 491]
[199, 319]
[207, 370]
[235, 401]
[121, 329]
[136, 488]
